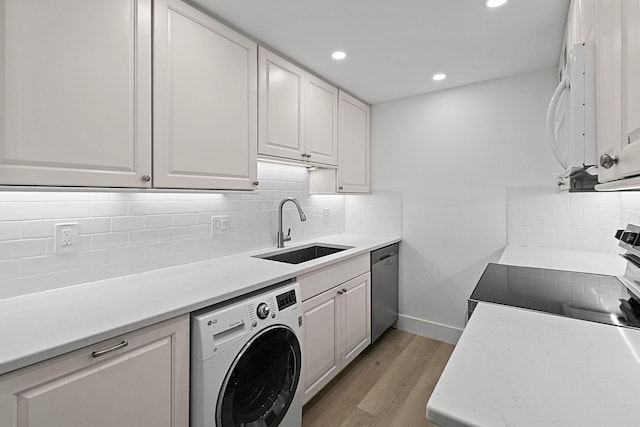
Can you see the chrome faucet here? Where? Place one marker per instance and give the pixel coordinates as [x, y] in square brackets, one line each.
[281, 237]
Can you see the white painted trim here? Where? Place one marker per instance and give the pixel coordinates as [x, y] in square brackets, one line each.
[429, 329]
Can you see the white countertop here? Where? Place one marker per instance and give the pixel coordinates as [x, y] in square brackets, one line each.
[563, 259]
[39, 326]
[516, 367]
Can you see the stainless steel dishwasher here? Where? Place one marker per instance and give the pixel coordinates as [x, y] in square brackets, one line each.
[384, 289]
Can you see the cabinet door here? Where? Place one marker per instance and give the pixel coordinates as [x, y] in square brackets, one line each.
[321, 339]
[205, 102]
[321, 122]
[631, 77]
[618, 89]
[353, 145]
[281, 108]
[142, 384]
[608, 83]
[356, 320]
[75, 92]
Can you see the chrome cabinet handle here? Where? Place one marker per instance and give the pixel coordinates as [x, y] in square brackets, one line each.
[146, 178]
[606, 161]
[256, 182]
[99, 353]
[344, 291]
[308, 156]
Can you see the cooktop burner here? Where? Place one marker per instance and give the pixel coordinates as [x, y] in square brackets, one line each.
[584, 296]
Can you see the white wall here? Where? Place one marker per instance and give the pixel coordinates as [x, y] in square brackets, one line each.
[453, 154]
[125, 233]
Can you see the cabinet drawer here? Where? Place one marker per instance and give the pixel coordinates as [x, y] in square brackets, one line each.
[318, 281]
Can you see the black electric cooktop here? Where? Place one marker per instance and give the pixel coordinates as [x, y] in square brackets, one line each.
[593, 297]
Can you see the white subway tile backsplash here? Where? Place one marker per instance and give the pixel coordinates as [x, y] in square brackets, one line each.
[127, 223]
[131, 232]
[16, 249]
[9, 230]
[9, 269]
[108, 208]
[143, 236]
[602, 213]
[581, 221]
[158, 221]
[109, 240]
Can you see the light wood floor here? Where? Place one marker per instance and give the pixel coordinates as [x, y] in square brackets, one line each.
[388, 385]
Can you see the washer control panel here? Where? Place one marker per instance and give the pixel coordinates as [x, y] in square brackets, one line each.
[217, 328]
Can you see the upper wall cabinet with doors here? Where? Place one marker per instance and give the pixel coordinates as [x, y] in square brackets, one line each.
[76, 96]
[298, 113]
[352, 174]
[75, 93]
[618, 88]
[353, 145]
[205, 102]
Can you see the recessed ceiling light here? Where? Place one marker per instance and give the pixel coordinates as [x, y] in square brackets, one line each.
[338, 55]
[495, 3]
[439, 76]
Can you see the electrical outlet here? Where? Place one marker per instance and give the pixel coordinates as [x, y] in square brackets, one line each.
[219, 224]
[66, 237]
[326, 213]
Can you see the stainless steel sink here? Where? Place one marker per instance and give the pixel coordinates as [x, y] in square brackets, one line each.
[297, 256]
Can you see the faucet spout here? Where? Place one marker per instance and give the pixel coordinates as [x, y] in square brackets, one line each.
[281, 237]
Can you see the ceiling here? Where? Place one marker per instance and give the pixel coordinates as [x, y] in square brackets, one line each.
[395, 46]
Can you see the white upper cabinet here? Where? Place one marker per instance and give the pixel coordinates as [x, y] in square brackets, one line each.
[353, 145]
[75, 93]
[631, 72]
[321, 122]
[205, 102]
[281, 108]
[297, 113]
[618, 89]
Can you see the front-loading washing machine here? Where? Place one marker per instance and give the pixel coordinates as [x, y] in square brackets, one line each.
[246, 361]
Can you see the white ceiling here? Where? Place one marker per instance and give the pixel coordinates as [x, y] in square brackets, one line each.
[395, 46]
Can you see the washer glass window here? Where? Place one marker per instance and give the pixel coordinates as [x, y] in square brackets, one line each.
[262, 382]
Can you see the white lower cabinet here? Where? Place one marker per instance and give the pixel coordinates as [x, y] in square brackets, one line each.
[137, 379]
[337, 326]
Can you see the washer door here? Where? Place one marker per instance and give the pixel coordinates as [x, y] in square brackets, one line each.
[262, 381]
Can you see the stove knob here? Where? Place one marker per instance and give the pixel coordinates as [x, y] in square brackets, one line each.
[629, 237]
[263, 311]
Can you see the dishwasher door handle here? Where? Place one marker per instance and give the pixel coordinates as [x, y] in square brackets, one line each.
[383, 257]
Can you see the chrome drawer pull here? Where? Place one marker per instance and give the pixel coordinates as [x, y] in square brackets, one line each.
[99, 353]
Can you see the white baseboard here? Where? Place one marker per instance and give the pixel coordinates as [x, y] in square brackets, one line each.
[425, 328]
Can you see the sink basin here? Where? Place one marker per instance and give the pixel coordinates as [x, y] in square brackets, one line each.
[298, 256]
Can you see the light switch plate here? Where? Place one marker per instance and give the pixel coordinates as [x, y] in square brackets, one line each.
[219, 224]
[326, 214]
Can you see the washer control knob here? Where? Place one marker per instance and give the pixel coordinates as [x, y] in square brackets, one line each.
[263, 311]
[254, 324]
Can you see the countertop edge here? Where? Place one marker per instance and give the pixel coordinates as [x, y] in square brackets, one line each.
[274, 273]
